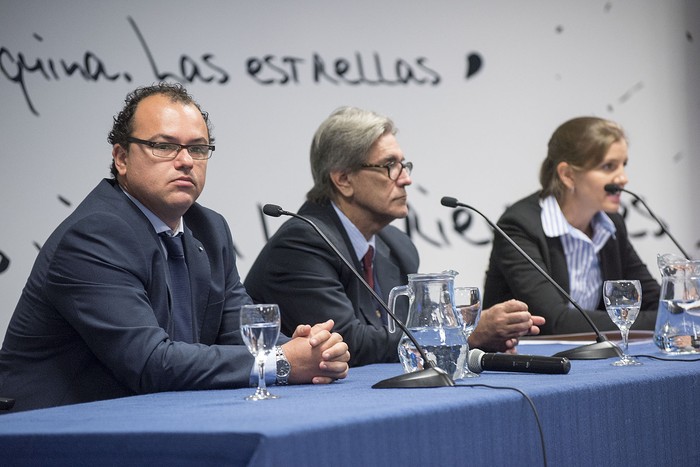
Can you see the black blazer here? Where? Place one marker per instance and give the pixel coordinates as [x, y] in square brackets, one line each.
[298, 271]
[92, 322]
[509, 275]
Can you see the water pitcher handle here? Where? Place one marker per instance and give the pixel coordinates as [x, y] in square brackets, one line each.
[393, 294]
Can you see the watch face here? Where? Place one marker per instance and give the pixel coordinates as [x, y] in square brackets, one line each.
[283, 367]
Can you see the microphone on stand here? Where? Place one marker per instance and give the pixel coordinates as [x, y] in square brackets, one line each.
[602, 348]
[431, 376]
[612, 188]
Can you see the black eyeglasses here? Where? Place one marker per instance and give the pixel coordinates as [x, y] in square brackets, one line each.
[171, 150]
[393, 168]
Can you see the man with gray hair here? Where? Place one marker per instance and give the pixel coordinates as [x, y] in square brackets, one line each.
[360, 178]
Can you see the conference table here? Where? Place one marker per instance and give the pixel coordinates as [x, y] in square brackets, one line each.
[597, 414]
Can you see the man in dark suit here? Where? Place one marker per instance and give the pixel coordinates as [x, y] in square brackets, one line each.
[99, 312]
[360, 178]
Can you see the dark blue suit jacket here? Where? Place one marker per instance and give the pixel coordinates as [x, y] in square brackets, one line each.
[93, 319]
[511, 276]
[297, 270]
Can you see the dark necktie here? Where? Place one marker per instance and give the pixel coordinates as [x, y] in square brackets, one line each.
[180, 288]
[369, 278]
[367, 266]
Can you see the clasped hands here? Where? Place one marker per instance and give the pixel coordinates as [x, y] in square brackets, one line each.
[316, 354]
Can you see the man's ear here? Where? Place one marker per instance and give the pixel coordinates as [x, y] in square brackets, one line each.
[566, 174]
[119, 155]
[343, 182]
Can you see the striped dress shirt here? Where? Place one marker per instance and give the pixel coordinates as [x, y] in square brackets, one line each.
[585, 280]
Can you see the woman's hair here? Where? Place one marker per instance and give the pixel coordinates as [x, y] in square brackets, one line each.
[581, 142]
[343, 142]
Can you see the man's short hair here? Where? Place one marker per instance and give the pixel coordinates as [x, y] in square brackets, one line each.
[342, 143]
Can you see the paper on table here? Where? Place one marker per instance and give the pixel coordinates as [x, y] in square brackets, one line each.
[585, 338]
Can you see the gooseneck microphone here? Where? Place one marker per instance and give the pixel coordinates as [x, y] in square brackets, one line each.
[481, 361]
[602, 348]
[430, 376]
[613, 188]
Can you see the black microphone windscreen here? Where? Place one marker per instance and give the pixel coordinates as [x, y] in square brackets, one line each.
[479, 361]
[272, 210]
[612, 188]
[449, 201]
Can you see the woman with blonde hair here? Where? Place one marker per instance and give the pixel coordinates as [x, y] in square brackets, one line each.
[572, 229]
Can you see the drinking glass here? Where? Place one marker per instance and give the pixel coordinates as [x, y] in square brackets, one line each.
[260, 327]
[622, 301]
[468, 305]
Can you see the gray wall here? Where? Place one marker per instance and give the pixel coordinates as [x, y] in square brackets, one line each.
[480, 87]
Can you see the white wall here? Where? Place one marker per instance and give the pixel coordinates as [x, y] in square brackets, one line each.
[480, 139]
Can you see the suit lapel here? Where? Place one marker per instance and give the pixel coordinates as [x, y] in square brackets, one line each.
[110, 191]
[330, 224]
[557, 261]
[366, 303]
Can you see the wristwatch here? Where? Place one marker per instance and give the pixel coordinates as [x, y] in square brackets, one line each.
[283, 367]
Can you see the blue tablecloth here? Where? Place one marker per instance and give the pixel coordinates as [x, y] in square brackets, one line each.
[596, 415]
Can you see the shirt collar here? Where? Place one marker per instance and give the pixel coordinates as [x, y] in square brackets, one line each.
[359, 243]
[155, 221]
[555, 224]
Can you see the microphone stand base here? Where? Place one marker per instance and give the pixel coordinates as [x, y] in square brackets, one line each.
[427, 378]
[596, 351]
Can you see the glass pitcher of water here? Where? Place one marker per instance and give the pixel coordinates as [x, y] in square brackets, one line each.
[434, 322]
[678, 319]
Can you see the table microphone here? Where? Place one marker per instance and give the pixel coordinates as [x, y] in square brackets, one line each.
[431, 376]
[612, 188]
[602, 348]
[481, 361]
